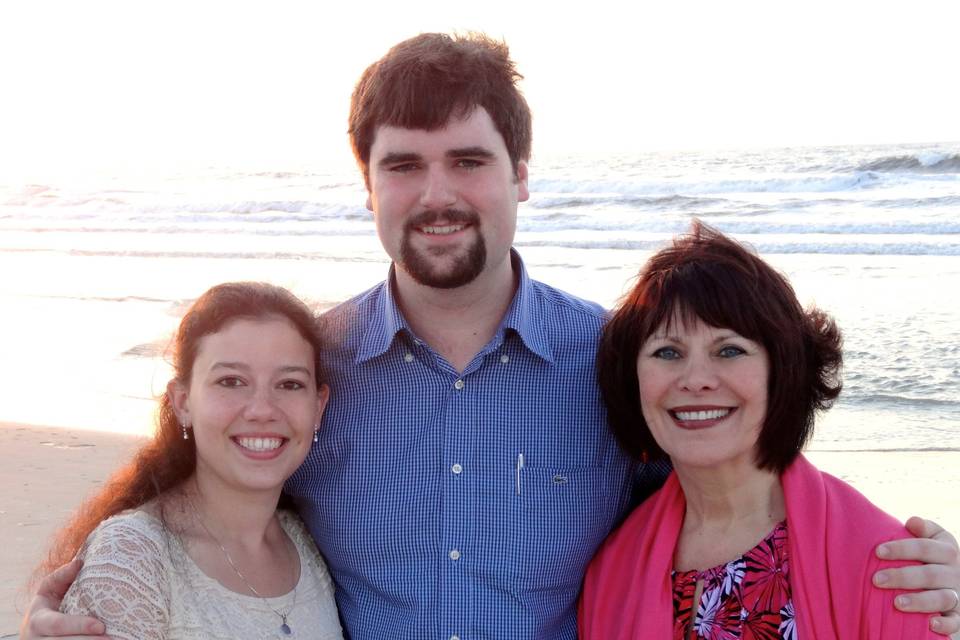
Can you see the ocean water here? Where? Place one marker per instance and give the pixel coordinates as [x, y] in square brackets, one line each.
[96, 271]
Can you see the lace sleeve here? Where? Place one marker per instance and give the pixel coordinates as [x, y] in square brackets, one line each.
[124, 580]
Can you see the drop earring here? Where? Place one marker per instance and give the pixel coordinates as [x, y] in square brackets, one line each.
[186, 434]
[316, 438]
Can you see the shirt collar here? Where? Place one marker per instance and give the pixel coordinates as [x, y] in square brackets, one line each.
[524, 317]
[384, 321]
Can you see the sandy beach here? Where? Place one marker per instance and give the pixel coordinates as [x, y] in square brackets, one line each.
[48, 471]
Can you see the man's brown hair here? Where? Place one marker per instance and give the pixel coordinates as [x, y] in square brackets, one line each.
[424, 81]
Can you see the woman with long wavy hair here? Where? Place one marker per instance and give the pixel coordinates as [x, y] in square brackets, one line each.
[190, 540]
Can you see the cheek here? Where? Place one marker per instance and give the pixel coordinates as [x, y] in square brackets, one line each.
[394, 194]
[301, 411]
[651, 389]
[651, 382]
[214, 407]
[309, 416]
[651, 416]
[758, 393]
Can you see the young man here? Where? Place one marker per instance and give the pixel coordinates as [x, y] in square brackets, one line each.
[465, 474]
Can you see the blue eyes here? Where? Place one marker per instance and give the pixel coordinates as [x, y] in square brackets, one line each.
[730, 351]
[671, 353]
[666, 353]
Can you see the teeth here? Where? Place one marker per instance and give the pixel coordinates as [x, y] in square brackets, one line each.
[444, 230]
[712, 414]
[260, 444]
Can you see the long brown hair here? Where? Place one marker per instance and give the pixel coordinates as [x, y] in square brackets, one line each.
[168, 459]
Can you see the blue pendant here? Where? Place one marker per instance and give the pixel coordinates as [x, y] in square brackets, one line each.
[286, 629]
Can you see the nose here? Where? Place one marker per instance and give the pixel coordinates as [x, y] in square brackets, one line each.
[698, 375]
[260, 406]
[438, 190]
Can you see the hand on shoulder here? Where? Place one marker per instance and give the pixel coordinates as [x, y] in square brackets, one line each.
[936, 581]
[43, 617]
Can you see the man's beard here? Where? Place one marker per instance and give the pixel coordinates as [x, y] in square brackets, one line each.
[464, 269]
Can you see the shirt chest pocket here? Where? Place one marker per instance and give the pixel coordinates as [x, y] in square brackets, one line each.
[559, 516]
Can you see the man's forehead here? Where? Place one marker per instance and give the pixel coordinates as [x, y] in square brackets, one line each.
[456, 117]
[475, 128]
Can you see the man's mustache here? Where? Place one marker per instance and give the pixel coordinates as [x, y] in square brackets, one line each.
[454, 216]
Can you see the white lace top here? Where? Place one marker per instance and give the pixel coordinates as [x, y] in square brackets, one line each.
[138, 579]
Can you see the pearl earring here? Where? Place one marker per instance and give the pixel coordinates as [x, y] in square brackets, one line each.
[186, 434]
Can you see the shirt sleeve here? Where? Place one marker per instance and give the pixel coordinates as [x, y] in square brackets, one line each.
[124, 581]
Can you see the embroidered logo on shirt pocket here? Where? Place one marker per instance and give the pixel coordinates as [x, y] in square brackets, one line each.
[560, 517]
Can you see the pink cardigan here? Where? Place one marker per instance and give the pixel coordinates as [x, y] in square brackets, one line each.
[832, 534]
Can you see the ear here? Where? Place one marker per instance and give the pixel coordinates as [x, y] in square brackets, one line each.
[178, 393]
[323, 395]
[523, 193]
[369, 202]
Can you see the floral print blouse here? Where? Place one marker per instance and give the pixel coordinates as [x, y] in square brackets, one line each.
[746, 598]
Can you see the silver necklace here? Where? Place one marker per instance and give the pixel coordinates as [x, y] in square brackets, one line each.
[284, 627]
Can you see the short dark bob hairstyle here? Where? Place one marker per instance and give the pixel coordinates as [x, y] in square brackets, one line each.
[423, 82]
[708, 276]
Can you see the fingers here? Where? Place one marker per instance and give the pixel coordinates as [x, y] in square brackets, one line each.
[934, 601]
[54, 586]
[946, 625]
[919, 577]
[930, 529]
[926, 550]
[945, 551]
[49, 623]
[43, 616]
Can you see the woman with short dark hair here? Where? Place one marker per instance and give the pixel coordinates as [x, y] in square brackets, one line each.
[711, 361]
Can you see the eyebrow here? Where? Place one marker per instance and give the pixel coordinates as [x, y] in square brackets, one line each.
[241, 366]
[719, 338]
[472, 152]
[399, 157]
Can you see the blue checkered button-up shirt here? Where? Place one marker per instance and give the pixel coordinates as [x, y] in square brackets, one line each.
[464, 506]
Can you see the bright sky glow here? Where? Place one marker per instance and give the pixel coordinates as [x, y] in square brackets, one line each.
[96, 84]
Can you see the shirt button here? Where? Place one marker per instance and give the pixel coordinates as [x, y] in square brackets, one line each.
[457, 468]
[408, 357]
[454, 555]
[504, 359]
[458, 385]
[454, 637]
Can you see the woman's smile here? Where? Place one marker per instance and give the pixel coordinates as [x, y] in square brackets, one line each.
[260, 447]
[700, 417]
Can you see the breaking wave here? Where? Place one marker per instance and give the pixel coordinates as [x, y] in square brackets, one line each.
[931, 162]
